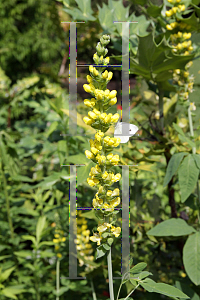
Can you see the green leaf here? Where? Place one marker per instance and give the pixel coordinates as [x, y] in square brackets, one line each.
[154, 10]
[140, 276]
[83, 173]
[191, 255]
[162, 288]
[61, 291]
[171, 227]
[51, 128]
[138, 268]
[4, 256]
[187, 140]
[185, 288]
[24, 253]
[110, 241]
[178, 129]
[40, 227]
[6, 292]
[62, 150]
[196, 159]
[16, 289]
[22, 178]
[100, 251]
[5, 274]
[105, 17]
[188, 174]
[46, 243]
[49, 181]
[106, 247]
[29, 237]
[173, 166]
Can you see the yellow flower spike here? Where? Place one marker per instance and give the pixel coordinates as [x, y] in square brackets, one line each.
[91, 68]
[88, 154]
[113, 101]
[89, 79]
[115, 118]
[105, 74]
[59, 255]
[88, 121]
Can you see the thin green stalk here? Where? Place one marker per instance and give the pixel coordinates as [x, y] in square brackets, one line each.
[131, 292]
[193, 148]
[57, 277]
[7, 200]
[110, 277]
[93, 290]
[37, 294]
[161, 94]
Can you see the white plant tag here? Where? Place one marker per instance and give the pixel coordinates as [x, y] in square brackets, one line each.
[118, 130]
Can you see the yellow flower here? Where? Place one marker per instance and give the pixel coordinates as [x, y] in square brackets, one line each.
[115, 202]
[110, 75]
[116, 177]
[63, 239]
[96, 112]
[169, 27]
[88, 121]
[94, 150]
[91, 68]
[106, 92]
[115, 118]
[97, 202]
[53, 224]
[113, 101]
[103, 116]
[107, 207]
[115, 159]
[92, 115]
[108, 118]
[174, 9]
[55, 240]
[101, 159]
[88, 103]
[116, 231]
[56, 247]
[86, 232]
[89, 154]
[89, 79]
[57, 235]
[106, 60]
[96, 238]
[105, 74]
[105, 174]
[190, 48]
[186, 74]
[95, 72]
[59, 255]
[103, 227]
[113, 94]
[87, 88]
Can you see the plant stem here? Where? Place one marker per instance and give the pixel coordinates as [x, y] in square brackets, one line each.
[93, 290]
[161, 94]
[119, 291]
[110, 277]
[193, 148]
[131, 292]
[57, 277]
[7, 200]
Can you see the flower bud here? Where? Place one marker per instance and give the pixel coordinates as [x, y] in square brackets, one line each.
[113, 101]
[91, 69]
[115, 118]
[88, 154]
[112, 94]
[92, 115]
[89, 79]
[87, 88]
[87, 121]
[88, 103]
[105, 74]
[110, 75]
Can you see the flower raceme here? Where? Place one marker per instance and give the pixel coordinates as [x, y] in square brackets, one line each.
[101, 176]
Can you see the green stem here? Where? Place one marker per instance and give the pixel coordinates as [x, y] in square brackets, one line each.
[161, 116]
[131, 292]
[193, 148]
[57, 277]
[110, 277]
[119, 290]
[7, 200]
[93, 290]
[37, 294]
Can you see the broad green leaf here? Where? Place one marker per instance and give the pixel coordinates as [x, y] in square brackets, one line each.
[178, 129]
[22, 178]
[140, 276]
[162, 288]
[173, 166]
[83, 172]
[106, 247]
[46, 254]
[184, 286]
[100, 251]
[187, 140]
[4, 256]
[51, 128]
[105, 17]
[77, 159]
[188, 174]
[110, 241]
[41, 224]
[29, 237]
[191, 255]
[16, 289]
[6, 292]
[49, 181]
[46, 243]
[171, 227]
[62, 150]
[24, 253]
[154, 10]
[5, 274]
[196, 159]
[138, 268]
